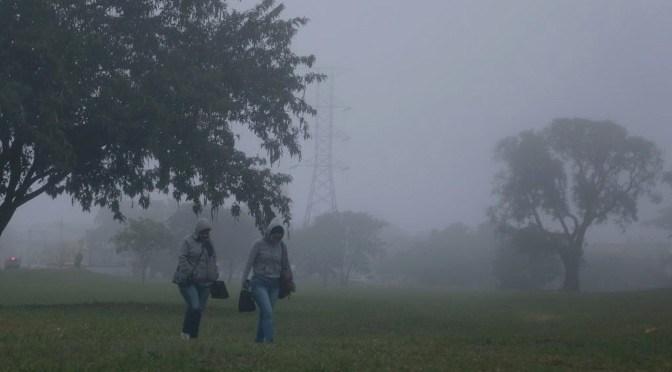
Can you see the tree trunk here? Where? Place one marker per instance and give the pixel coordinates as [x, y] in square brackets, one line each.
[571, 259]
[6, 214]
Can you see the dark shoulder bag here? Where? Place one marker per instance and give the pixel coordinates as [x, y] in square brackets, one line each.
[246, 302]
[218, 290]
[287, 285]
[217, 287]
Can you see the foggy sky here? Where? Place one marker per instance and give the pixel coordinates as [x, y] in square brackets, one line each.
[434, 84]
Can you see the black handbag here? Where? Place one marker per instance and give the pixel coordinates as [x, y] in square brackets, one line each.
[287, 285]
[218, 290]
[246, 302]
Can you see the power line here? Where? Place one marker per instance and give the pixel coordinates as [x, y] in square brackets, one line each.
[322, 194]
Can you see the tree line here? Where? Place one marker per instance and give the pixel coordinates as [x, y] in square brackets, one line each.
[109, 100]
[353, 248]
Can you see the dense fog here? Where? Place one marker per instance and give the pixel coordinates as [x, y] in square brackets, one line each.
[423, 92]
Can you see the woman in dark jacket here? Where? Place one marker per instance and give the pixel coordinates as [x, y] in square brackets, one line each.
[196, 270]
[269, 262]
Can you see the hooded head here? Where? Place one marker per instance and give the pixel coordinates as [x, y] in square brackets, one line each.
[202, 235]
[274, 232]
[201, 226]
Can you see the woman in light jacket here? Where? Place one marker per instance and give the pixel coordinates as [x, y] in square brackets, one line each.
[196, 270]
[268, 260]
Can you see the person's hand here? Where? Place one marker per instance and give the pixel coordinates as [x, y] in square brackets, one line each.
[246, 285]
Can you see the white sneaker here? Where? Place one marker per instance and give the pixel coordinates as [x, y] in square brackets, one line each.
[185, 336]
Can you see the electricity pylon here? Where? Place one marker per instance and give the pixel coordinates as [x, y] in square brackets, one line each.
[322, 194]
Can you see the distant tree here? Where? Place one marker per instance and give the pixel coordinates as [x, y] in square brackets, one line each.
[337, 245]
[98, 239]
[144, 238]
[110, 98]
[571, 175]
[527, 259]
[457, 256]
[664, 222]
[78, 260]
[664, 219]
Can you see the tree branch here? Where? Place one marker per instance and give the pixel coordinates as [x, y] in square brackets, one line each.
[4, 153]
[574, 219]
[14, 169]
[537, 219]
[564, 226]
[54, 179]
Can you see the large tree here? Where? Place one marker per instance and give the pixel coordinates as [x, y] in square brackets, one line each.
[102, 99]
[526, 258]
[337, 245]
[571, 175]
[144, 239]
[664, 219]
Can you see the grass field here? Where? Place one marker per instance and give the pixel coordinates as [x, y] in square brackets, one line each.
[78, 321]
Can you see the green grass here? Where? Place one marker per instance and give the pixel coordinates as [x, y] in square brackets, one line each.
[78, 321]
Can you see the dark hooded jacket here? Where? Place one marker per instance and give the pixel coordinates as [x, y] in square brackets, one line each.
[196, 264]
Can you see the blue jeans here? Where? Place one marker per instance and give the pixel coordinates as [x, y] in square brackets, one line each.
[195, 296]
[265, 292]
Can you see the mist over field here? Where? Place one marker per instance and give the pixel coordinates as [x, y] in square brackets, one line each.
[423, 94]
[462, 185]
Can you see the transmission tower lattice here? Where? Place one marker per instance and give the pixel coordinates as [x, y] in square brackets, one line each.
[322, 194]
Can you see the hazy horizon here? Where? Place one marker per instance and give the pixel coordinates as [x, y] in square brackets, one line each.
[431, 87]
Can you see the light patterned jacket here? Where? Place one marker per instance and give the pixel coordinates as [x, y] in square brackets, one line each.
[195, 264]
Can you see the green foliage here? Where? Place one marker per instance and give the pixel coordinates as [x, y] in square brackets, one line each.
[571, 175]
[107, 98]
[455, 257]
[664, 219]
[143, 238]
[575, 172]
[610, 168]
[534, 178]
[527, 259]
[337, 245]
[99, 239]
[92, 322]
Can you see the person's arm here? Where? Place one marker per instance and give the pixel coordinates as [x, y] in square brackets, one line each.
[289, 265]
[250, 262]
[184, 267]
[287, 269]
